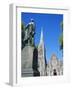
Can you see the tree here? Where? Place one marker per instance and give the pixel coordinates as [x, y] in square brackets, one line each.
[61, 42]
[61, 37]
[22, 34]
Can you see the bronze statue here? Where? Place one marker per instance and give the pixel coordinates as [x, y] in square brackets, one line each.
[28, 32]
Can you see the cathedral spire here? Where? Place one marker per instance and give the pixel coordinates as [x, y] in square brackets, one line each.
[41, 36]
[41, 58]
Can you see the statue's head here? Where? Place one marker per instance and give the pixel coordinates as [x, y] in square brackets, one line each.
[32, 20]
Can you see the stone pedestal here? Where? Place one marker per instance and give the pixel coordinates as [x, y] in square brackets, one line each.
[27, 61]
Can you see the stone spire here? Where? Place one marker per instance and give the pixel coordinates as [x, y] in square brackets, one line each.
[41, 59]
[41, 37]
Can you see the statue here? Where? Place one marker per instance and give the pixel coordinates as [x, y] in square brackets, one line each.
[29, 33]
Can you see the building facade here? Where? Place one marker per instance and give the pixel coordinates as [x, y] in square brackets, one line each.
[54, 66]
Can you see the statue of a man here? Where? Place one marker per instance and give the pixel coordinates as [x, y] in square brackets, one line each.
[29, 33]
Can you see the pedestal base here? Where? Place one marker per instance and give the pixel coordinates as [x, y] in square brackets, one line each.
[27, 61]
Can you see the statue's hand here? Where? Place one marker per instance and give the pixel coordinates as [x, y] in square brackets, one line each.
[33, 34]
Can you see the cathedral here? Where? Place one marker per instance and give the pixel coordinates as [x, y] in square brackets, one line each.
[53, 67]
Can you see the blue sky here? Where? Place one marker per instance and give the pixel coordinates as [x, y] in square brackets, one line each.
[51, 30]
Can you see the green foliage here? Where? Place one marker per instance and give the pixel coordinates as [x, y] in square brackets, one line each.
[61, 42]
[61, 25]
[61, 37]
[22, 26]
